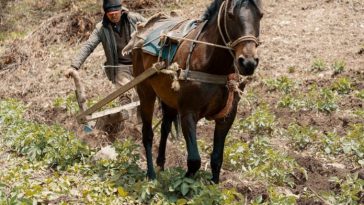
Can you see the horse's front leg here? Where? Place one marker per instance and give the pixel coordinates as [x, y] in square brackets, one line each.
[222, 127]
[147, 98]
[169, 116]
[189, 121]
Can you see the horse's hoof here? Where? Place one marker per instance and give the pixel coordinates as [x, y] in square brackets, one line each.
[215, 180]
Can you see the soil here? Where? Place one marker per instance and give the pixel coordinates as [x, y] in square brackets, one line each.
[294, 33]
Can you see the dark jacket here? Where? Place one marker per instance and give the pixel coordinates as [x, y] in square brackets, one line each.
[104, 34]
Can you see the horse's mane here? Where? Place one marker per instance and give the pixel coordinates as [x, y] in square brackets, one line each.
[211, 10]
[215, 5]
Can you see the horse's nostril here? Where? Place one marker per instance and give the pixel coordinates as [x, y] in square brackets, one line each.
[256, 60]
[241, 61]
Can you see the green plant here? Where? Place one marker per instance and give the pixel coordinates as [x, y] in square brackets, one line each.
[355, 142]
[360, 94]
[351, 190]
[291, 69]
[338, 66]
[292, 102]
[326, 101]
[261, 121]
[301, 137]
[276, 198]
[259, 160]
[331, 143]
[318, 65]
[53, 144]
[124, 169]
[352, 144]
[342, 85]
[250, 98]
[70, 103]
[283, 84]
[359, 112]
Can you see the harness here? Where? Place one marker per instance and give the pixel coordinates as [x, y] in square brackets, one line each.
[233, 80]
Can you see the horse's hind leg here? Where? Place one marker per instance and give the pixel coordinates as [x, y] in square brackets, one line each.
[222, 127]
[169, 116]
[189, 121]
[147, 98]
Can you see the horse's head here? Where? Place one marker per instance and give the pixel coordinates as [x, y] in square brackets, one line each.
[239, 24]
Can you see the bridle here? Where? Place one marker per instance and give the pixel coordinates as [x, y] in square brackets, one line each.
[228, 42]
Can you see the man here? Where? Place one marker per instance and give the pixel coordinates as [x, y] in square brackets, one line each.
[114, 33]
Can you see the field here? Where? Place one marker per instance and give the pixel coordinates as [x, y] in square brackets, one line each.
[298, 137]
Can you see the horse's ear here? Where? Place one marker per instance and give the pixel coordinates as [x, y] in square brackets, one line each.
[231, 5]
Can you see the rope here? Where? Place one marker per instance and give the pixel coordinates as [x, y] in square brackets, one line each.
[197, 41]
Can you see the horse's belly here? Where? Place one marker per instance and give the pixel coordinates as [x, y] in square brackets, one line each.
[205, 99]
[162, 84]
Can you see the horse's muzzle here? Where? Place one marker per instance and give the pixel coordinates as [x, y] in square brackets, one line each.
[247, 65]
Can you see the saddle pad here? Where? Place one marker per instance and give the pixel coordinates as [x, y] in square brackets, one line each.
[153, 43]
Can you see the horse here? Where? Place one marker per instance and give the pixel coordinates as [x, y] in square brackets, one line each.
[220, 49]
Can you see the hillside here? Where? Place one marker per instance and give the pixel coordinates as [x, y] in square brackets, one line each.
[298, 137]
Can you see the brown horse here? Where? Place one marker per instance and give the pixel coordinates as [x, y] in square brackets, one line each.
[230, 29]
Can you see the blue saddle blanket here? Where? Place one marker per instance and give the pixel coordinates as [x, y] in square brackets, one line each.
[166, 51]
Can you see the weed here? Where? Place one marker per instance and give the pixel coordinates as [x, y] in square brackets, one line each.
[277, 198]
[291, 69]
[360, 94]
[351, 190]
[352, 144]
[52, 144]
[261, 121]
[342, 85]
[318, 65]
[331, 143]
[301, 137]
[282, 84]
[251, 98]
[291, 102]
[338, 66]
[70, 103]
[354, 141]
[324, 100]
[261, 161]
[359, 112]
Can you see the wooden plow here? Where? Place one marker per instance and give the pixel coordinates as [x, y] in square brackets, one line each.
[90, 114]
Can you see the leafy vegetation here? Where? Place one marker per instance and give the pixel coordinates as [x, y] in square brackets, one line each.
[54, 145]
[351, 144]
[323, 100]
[261, 121]
[301, 137]
[282, 84]
[360, 94]
[318, 65]
[352, 189]
[342, 85]
[338, 66]
[259, 160]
